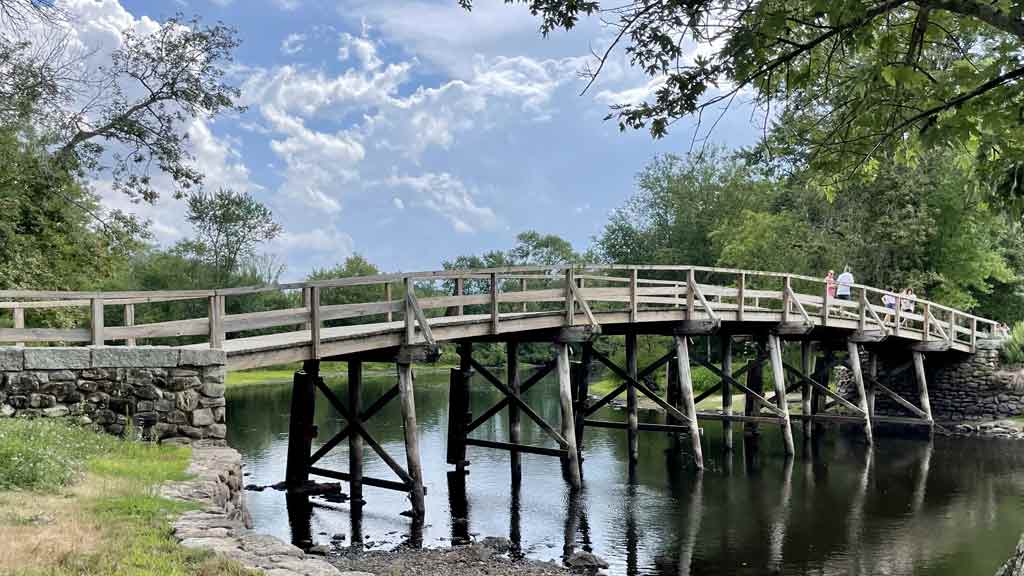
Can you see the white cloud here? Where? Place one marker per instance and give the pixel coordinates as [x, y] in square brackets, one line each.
[293, 44]
[363, 49]
[448, 196]
[222, 3]
[398, 202]
[288, 5]
[330, 240]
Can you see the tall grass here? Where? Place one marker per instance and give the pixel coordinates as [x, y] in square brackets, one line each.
[1013, 346]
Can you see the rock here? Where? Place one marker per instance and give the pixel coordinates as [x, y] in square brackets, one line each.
[212, 389]
[202, 358]
[585, 560]
[497, 543]
[6, 411]
[55, 412]
[135, 357]
[12, 359]
[202, 417]
[318, 550]
[1015, 565]
[57, 358]
[479, 552]
[338, 538]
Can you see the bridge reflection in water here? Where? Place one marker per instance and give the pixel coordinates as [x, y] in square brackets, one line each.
[838, 507]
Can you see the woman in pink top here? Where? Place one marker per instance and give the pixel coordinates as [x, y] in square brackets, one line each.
[830, 284]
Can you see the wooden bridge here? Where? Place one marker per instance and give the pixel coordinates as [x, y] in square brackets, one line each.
[403, 318]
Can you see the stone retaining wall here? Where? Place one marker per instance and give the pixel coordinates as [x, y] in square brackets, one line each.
[961, 387]
[222, 524]
[159, 393]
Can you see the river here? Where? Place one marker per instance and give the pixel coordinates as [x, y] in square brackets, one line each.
[947, 507]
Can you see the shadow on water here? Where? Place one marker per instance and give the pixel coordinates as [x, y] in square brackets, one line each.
[905, 506]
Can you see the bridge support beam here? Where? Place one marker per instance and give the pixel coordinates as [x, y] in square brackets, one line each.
[853, 349]
[514, 424]
[412, 443]
[301, 429]
[922, 385]
[779, 377]
[726, 351]
[686, 388]
[632, 417]
[355, 441]
[806, 390]
[568, 427]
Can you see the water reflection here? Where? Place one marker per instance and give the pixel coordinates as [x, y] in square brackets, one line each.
[947, 507]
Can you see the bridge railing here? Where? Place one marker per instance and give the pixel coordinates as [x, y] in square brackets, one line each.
[577, 293]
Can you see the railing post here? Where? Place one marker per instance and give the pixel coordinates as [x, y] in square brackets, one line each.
[952, 327]
[974, 334]
[19, 322]
[522, 288]
[387, 297]
[740, 297]
[826, 303]
[129, 320]
[862, 321]
[96, 321]
[926, 328]
[460, 289]
[306, 299]
[216, 316]
[691, 288]
[785, 299]
[314, 322]
[633, 294]
[570, 302]
[495, 310]
[899, 316]
[409, 315]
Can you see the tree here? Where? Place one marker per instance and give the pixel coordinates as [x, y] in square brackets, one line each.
[228, 226]
[867, 79]
[126, 117]
[47, 238]
[679, 203]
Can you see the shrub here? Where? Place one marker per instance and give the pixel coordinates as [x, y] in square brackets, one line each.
[45, 454]
[1013, 346]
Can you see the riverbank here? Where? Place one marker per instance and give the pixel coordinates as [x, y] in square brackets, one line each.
[284, 373]
[77, 502]
[488, 558]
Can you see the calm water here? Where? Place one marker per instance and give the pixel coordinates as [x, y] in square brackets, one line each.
[950, 507]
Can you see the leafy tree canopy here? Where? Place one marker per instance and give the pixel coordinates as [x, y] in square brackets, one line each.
[865, 80]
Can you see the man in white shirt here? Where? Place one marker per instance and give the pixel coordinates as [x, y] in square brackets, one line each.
[844, 282]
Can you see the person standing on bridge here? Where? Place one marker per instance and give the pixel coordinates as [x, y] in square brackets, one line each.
[845, 282]
[830, 283]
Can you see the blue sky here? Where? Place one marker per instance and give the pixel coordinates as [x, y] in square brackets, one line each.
[409, 131]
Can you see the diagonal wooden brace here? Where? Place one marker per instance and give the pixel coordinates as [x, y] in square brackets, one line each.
[519, 402]
[348, 429]
[526, 385]
[670, 409]
[817, 385]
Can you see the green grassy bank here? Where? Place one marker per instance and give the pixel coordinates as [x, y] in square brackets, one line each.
[75, 502]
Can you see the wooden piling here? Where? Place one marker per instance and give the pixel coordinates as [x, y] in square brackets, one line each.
[514, 426]
[806, 390]
[779, 377]
[726, 351]
[672, 385]
[581, 377]
[458, 417]
[412, 444]
[300, 423]
[355, 440]
[922, 385]
[853, 350]
[633, 419]
[686, 390]
[755, 381]
[568, 424]
[869, 386]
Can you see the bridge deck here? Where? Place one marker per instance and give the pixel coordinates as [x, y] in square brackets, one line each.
[500, 303]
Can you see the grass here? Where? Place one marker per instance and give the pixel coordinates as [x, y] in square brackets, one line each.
[78, 503]
[329, 370]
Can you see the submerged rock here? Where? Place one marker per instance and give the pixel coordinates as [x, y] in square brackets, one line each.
[586, 560]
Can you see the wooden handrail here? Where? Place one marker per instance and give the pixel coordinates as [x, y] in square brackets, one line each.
[621, 284]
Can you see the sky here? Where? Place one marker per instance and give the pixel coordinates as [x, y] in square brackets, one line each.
[407, 131]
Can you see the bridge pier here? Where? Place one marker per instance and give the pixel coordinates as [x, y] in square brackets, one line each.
[301, 429]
